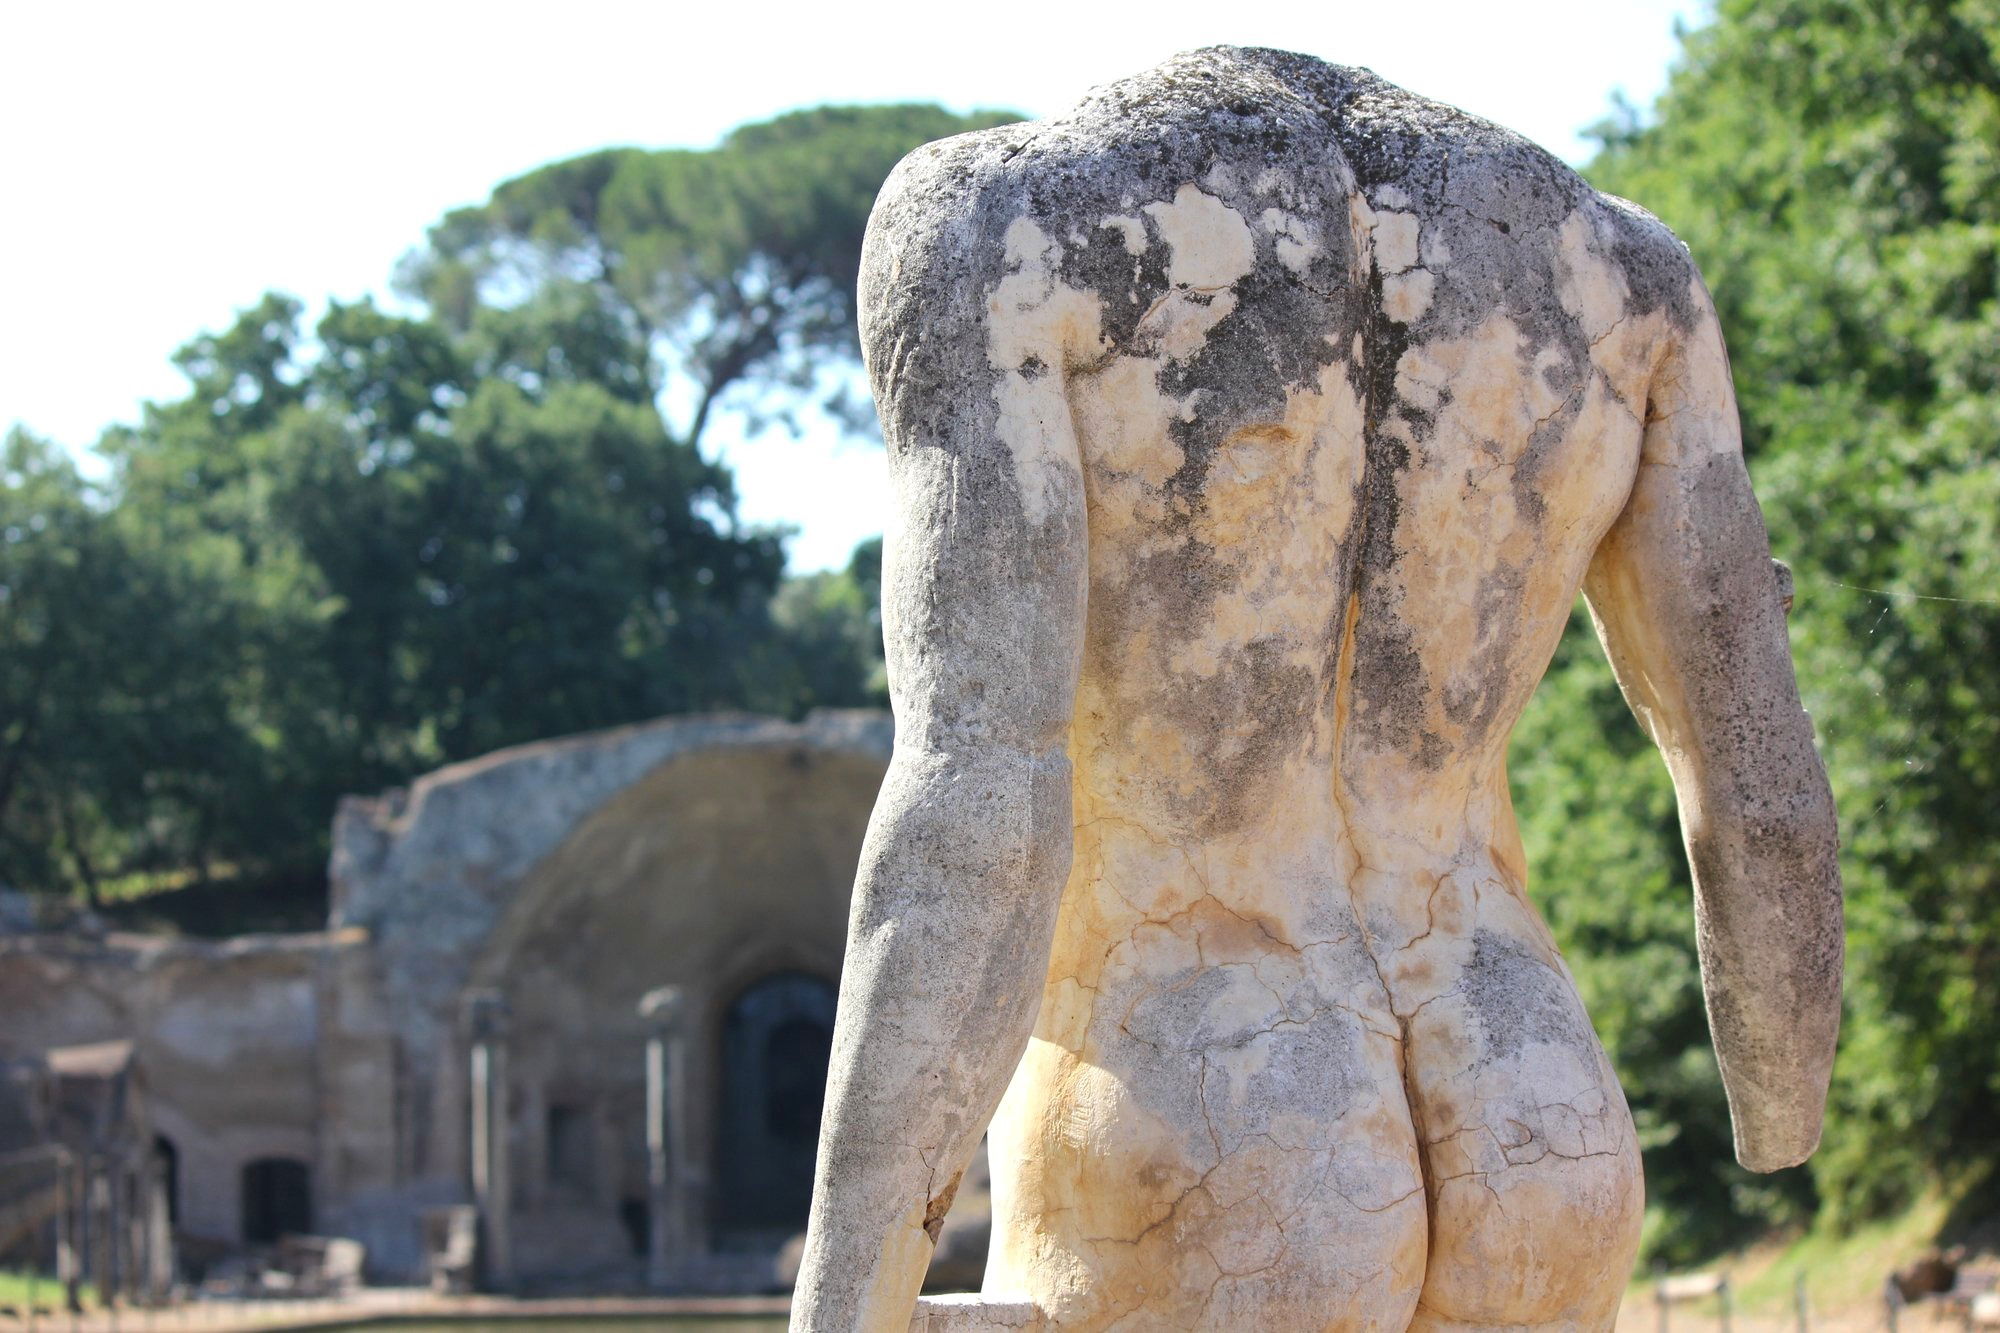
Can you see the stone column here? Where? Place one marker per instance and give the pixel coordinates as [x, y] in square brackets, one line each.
[98, 1270]
[69, 1227]
[673, 1193]
[139, 1222]
[125, 1191]
[159, 1234]
[492, 1193]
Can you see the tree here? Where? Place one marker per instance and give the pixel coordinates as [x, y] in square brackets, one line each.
[119, 748]
[726, 270]
[442, 564]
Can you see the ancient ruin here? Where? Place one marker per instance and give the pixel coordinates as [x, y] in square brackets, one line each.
[1253, 427]
[474, 1025]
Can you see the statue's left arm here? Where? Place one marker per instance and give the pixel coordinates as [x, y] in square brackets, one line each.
[969, 848]
[1692, 615]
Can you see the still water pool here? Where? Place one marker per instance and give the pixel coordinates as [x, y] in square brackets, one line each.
[603, 1323]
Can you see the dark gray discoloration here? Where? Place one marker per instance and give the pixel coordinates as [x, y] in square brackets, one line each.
[1308, 1071]
[1180, 1014]
[1519, 1000]
[1477, 705]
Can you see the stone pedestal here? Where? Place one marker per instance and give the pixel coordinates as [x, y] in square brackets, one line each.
[974, 1312]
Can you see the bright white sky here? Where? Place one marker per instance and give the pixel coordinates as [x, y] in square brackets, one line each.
[165, 163]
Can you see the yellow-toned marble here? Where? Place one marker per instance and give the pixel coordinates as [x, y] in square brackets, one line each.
[1253, 430]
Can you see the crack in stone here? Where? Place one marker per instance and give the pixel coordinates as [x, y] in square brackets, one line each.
[1430, 915]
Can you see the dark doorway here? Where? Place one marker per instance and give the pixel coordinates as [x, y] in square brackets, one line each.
[572, 1165]
[637, 1219]
[775, 1043]
[170, 1175]
[277, 1199]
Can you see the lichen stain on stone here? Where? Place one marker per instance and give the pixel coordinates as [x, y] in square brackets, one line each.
[1130, 230]
[1520, 999]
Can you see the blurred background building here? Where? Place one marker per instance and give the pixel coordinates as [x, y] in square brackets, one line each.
[324, 1082]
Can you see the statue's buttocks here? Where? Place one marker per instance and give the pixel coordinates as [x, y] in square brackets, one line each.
[1255, 427]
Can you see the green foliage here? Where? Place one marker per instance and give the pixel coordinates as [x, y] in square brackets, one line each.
[436, 563]
[347, 556]
[25, 1289]
[1834, 165]
[117, 748]
[738, 263]
[835, 619]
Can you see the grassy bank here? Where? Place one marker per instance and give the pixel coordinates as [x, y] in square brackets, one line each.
[1844, 1270]
[19, 1289]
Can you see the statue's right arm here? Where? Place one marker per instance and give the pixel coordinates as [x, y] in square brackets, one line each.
[1691, 612]
[969, 848]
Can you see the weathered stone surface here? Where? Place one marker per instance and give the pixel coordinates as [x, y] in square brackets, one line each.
[1253, 427]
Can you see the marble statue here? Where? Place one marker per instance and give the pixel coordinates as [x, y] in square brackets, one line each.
[1253, 427]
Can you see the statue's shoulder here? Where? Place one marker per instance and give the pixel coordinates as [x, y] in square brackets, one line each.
[1200, 116]
[955, 215]
[1658, 270]
[1288, 145]
[950, 174]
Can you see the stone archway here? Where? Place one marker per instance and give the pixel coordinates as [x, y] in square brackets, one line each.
[720, 865]
[574, 876]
